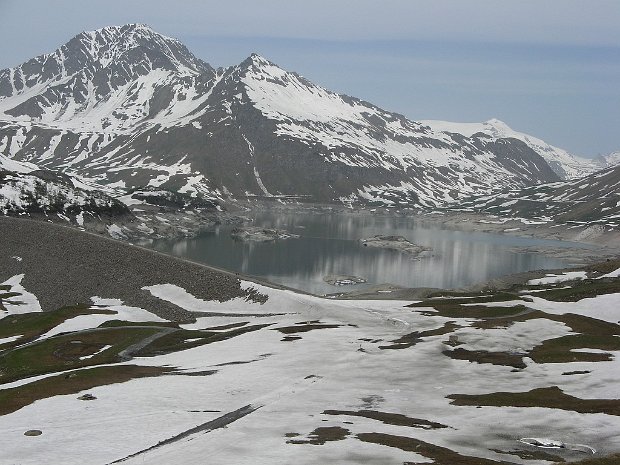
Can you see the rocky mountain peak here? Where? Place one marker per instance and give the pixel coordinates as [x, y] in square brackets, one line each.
[133, 49]
[258, 65]
[132, 42]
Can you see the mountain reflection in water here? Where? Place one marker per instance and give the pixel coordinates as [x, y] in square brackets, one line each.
[328, 245]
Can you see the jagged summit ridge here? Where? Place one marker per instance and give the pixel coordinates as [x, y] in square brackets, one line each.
[100, 49]
[111, 43]
[108, 79]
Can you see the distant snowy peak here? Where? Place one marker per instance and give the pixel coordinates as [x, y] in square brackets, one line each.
[286, 95]
[611, 159]
[114, 46]
[113, 43]
[564, 164]
[309, 113]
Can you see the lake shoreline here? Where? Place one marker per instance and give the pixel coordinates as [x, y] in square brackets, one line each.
[605, 242]
[602, 245]
[593, 244]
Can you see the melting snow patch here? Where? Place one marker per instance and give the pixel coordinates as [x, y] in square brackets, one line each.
[86, 357]
[122, 312]
[25, 302]
[543, 442]
[547, 443]
[116, 232]
[558, 278]
[520, 337]
[613, 274]
[6, 340]
[602, 307]
[180, 297]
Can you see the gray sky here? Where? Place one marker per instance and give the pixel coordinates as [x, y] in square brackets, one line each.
[550, 68]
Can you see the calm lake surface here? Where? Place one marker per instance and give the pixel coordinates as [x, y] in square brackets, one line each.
[328, 245]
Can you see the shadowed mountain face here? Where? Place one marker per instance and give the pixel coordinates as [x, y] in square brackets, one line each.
[128, 107]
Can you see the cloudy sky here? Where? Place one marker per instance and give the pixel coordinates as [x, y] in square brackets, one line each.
[550, 68]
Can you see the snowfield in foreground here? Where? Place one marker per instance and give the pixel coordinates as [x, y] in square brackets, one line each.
[309, 380]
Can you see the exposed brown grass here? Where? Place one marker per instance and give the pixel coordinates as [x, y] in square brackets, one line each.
[483, 356]
[411, 339]
[396, 419]
[609, 460]
[304, 328]
[322, 435]
[550, 397]
[439, 455]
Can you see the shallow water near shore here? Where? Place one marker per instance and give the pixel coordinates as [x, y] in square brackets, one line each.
[328, 244]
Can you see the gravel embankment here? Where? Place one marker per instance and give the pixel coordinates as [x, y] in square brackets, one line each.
[64, 266]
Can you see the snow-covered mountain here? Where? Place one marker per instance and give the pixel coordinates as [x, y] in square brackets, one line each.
[611, 159]
[104, 81]
[129, 108]
[565, 165]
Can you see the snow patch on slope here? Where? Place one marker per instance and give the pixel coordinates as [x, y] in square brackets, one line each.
[24, 302]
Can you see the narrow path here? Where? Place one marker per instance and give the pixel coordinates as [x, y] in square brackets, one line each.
[126, 354]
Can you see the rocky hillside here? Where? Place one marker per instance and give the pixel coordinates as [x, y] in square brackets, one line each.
[50, 194]
[594, 199]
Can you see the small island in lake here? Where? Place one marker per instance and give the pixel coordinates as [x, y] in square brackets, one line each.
[398, 243]
[343, 280]
[258, 234]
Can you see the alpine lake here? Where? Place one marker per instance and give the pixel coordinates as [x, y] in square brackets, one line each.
[328, 245]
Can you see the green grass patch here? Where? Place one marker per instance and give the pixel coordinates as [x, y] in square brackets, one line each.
[550, 397]
[604, 267]
[14, 399]
[587, 325]
[593, 334]
[63, 352]
[609, 460]
[558, 350]
[581, 290]
[176, 341]
[532, 455]
[455, 310]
